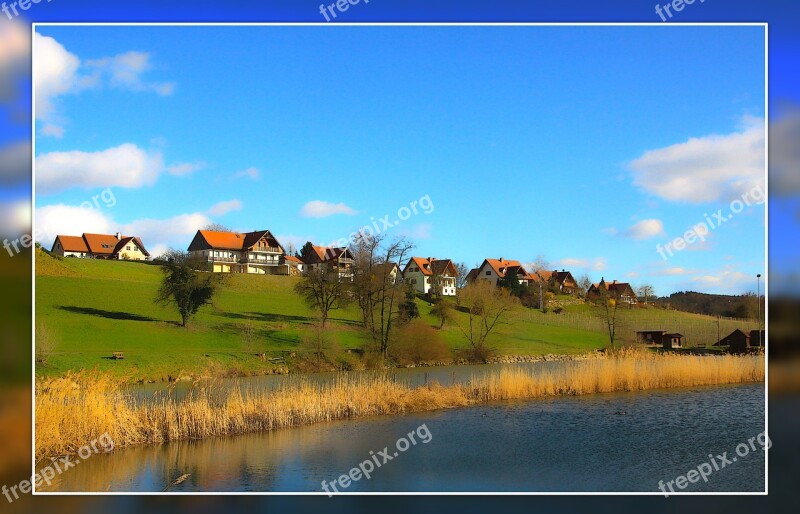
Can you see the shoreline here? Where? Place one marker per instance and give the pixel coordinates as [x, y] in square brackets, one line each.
[79, 408]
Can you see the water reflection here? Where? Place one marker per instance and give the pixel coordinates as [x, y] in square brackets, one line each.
[608, 442]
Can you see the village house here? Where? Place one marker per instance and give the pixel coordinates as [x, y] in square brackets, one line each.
[332, 259]
[494, 270]
[621, 291]
[431, 276]
[296, 266]
[393, 272]
[101, 246]
[660, 338]
[740, 341]
[563, 282]
[233, 252]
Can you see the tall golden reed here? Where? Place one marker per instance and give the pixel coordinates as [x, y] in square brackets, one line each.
[77, 408]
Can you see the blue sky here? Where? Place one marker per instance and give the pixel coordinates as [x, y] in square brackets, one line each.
[585, 145]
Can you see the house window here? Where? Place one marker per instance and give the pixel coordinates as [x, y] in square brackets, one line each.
[128, 248]
[488, 273]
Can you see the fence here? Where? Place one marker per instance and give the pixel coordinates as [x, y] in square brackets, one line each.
[696, 329]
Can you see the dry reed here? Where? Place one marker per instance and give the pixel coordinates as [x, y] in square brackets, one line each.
[77, 408]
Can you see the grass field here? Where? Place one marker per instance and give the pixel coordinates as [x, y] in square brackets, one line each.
[92, 308]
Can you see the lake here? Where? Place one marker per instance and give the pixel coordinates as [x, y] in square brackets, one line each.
[618, 442]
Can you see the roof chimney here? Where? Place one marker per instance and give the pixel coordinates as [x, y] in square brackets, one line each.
[501, 259]
[119, 236]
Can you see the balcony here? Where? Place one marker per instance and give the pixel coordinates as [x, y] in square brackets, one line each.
[223, 259]
[266, 249]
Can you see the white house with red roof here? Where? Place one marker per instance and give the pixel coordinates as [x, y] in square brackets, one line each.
[101, 246]
[430, 275]
[234, 252]
[495, 270]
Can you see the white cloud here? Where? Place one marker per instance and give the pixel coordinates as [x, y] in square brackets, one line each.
[156, 234]
[595, 264]
[321, 209]
[15, 163]
[727, 281]
[784, 153]
[52, 130]
[14, 57]
[15, 218]
[251, 173]
[181, 169]
[69, 220]
[56, 73]
[225, 207]
[645, 229]
[159, 234]
[125, 71]
[673, 272]
[123, 166]
[60, 72]
[705, 169]
[419, 231]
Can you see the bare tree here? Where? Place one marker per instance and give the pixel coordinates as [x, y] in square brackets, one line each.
[539, 264]
[646, 291]
[323, 291]
[584, 283]
[374, 289]
[607, 304]
[461, 275]
[487, 308]
[217, 227]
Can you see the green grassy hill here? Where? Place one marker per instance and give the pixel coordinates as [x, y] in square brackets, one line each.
[91, 308]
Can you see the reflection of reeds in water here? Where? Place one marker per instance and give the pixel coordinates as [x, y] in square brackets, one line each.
[76, 409]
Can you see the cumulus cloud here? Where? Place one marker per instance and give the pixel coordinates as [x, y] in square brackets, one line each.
[595, 264]
[56, 73]
[69, 220]
[784, 153]
[125, 71]
[321, 209]
[181, 169]
[59, 72]
[419, 231]
[727, 281]
[123, 166]
[176, 231]
[52, 130]
[251, 173]
[15, 218]
[14, 57]
[645, 229]
[673, 272]
[157, 234]
[15, 163]
[225, 207]
[705, 169]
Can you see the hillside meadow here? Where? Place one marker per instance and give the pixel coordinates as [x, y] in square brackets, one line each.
[88, 309]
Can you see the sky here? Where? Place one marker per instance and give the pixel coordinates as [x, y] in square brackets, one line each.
[590, 147]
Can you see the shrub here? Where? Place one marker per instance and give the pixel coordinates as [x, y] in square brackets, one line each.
[417, 342]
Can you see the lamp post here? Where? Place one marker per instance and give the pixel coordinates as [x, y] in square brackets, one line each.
[758, 299]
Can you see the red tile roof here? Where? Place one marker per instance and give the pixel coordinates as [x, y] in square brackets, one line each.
[99, 244]
[502, 266]
[73, 244]
[428, 266]
[219, 240]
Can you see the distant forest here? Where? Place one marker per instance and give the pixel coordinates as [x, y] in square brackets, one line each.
[741, 306]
